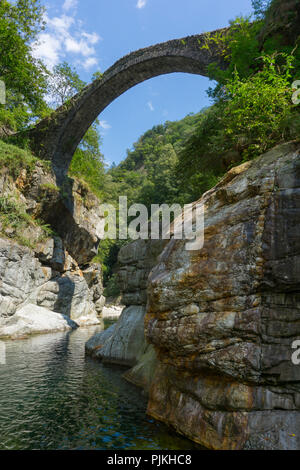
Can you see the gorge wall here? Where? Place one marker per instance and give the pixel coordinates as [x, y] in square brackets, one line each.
[54, 272]
[124, 343]
[222, 320]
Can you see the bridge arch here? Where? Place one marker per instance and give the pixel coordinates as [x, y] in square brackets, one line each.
[57, 137]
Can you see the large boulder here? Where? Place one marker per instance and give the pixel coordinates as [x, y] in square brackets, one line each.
[93, 277]
[70, 296]
[98, 340]
[31, 319]
[21, 273]
[26, 278]
[124, 342]
[223, 319]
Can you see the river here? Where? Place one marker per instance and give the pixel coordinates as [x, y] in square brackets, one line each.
[54, 397]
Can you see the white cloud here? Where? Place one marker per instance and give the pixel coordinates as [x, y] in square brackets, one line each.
[91, 38]
[79, 47]
[105, 125]
[48, 49]
[90, 62]
[141, 3]
[61, 24]
[65, 34]
[150, 106]
[69, 4]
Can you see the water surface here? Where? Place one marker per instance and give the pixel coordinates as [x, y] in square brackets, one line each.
[53, 397]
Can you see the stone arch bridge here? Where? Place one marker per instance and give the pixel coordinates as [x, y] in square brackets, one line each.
[57, 137]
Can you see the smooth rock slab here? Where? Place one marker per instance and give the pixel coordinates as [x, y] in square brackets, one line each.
[127, 343]
[143, 373]
[124, 342]
[98, 340]
[32, 319]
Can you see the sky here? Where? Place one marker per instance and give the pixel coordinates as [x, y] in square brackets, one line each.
[92, 34]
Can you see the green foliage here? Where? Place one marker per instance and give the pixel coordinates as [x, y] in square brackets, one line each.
[50, 187]
[27, 15]
[97, 76]
[112, 288]
[23, 75]
[14, 221]
[253, 115]
[259, 110]
[63, 83]
[260, 7]
[15, 159]
[240, 50]
[147, 175]
[108, 256]
[88, 162]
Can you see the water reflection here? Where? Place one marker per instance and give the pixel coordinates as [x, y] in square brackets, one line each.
[53, 397]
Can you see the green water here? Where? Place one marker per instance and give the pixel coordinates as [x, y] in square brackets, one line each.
[53, 397]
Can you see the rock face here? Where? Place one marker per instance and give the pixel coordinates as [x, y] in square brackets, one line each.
[143, 372]
[125, 343]
[71, 210]
[25, 279]
[223, 319]
[96, 342]
[136, 261]
[56, 272]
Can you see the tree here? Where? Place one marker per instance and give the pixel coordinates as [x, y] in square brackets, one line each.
[253, 115]
[24, 76]
[64, 82]
[260, 7]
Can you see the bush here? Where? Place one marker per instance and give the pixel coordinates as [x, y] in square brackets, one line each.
[112, 288]
[16, 159]
[258, 111]
[14, 221]
[252, 115]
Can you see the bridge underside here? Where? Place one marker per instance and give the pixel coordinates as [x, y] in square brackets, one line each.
[57, 137]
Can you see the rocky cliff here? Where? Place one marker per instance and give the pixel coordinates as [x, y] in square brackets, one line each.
[124, 343]
[47, 264]
[222, 320]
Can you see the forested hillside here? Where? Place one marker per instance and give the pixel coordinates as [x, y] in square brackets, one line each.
[148, 174]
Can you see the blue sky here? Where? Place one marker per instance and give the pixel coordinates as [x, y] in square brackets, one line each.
[92, 34]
